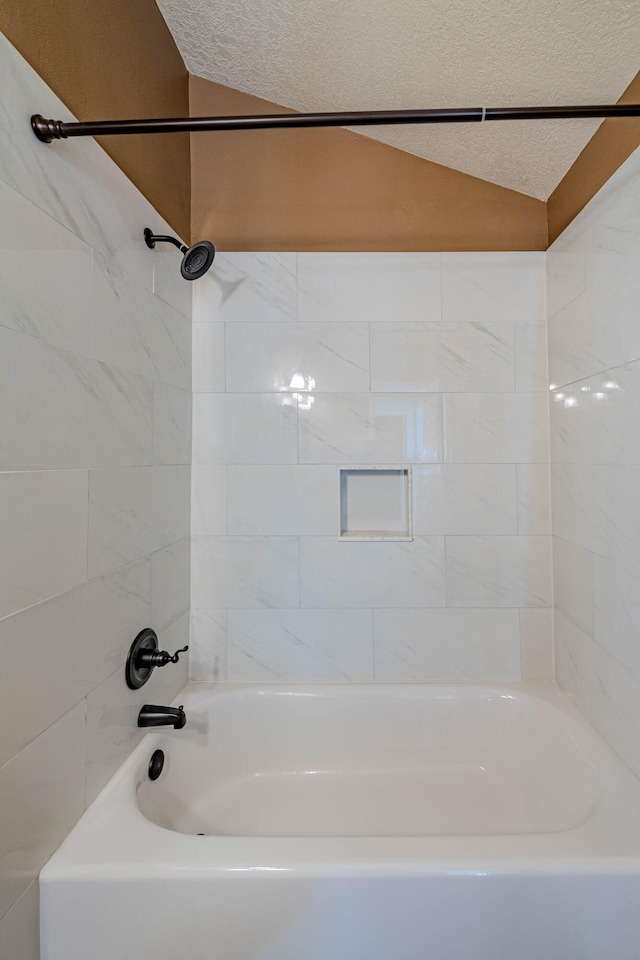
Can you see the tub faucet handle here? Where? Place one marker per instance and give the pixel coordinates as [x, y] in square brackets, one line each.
[158, 658]
[176, 656]
[144, 656]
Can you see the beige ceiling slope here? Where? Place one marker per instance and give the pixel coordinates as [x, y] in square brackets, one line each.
[375, 54]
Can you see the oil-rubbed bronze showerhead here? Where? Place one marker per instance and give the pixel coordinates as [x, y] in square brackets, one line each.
[196, 260]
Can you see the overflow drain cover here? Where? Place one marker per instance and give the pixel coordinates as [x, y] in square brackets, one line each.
[156, 764]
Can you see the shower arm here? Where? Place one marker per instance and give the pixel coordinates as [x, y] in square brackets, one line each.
[48, 130]
[151, 238]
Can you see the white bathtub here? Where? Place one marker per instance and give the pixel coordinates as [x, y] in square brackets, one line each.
[344, 822]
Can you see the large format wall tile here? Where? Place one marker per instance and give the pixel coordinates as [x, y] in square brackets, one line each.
[371, 429]
[245, 572]
[87, 633]
[170, 584]
[61, 410]
[19, 928]
[244, 428]
[112, 729]
[536, 644]
[139, 333]
[597, 508]
[616, 613]
[368, 286]
[248, 287]
[301, 645]
[171, 424]
[566, 276]
[208, 644]
[133, 512]
[531, 357]
[208, 357]
[42, 791]
[43, 533]
[283, 500]
[605, 689]
[209, 500]
[493, 286]
[168, 282]
[465, 498]
[337, 573]
[496, 428]
[46, 292]
[573, 583]
[442, 357]
[583, 340]
[534, 498]
[498, 572]
[446, 645]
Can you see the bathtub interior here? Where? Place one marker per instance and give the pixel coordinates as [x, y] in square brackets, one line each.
[372, 761]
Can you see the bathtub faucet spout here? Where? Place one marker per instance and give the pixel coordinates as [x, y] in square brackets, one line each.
[152, 715]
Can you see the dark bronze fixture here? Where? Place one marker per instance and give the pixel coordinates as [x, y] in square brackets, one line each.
[48, 130]
[152, 715]
[196, 260]
[156, 764]
[144, 656]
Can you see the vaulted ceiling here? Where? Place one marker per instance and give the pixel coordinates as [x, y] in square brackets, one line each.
[385, 54]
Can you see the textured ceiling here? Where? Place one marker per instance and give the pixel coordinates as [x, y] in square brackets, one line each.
[385, 54]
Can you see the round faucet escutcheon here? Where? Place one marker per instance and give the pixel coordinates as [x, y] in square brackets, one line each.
[144, 656]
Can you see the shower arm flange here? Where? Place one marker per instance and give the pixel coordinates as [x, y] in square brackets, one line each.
[48, 130]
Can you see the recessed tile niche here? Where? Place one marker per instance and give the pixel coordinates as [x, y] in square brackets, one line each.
[375, 503]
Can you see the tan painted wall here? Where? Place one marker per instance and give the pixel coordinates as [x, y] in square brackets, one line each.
[335, 190]
[614, 141]
[110, 60]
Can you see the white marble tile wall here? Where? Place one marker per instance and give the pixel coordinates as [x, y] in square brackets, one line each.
[95, 453]
[594, 346]
[307, 362]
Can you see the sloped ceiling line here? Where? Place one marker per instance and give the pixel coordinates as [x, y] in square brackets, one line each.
[317, 55]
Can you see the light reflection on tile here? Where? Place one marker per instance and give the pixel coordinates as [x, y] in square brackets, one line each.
[594, 420]
[263, 357]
